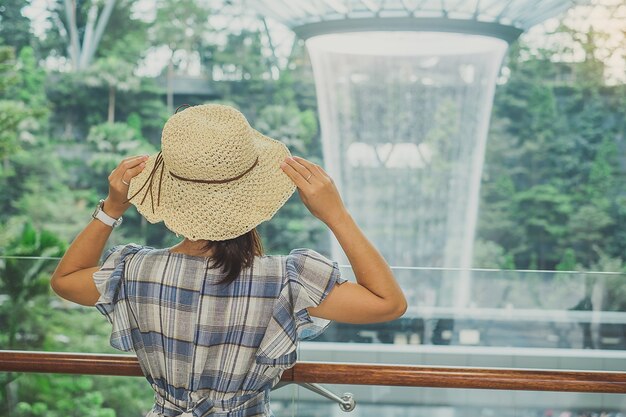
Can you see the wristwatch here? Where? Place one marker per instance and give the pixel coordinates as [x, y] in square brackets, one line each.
[99, 214]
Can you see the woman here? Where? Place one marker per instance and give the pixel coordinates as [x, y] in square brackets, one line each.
[213, 321]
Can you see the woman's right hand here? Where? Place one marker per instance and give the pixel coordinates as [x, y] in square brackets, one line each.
[376, 296]
[319, 193]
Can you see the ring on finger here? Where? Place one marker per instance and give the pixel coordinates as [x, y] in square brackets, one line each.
[310, 175]
[125, 182]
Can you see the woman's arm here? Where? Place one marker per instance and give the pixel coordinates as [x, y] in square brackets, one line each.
[376, 296]
[73, 277]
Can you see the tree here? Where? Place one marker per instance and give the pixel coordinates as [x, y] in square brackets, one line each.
[287, 124]
[14, 26]
[109, 143]
[553, 172]
[29, 88]
[235, 54]
[12, 112]
[181, 26]
[115, 75]
[81, 26]
[86, 30]
[293, 225]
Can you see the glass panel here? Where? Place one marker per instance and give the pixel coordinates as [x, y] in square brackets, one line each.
[528, 319]
[376, 401]
[536, 319]
[51, 395]
[55, 395]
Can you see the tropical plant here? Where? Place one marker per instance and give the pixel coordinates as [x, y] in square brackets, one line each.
[25, 267]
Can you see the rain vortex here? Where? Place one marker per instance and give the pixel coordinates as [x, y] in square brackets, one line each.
[404, 119]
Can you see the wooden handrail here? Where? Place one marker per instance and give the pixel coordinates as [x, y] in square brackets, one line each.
[345, 373]
[459, 377]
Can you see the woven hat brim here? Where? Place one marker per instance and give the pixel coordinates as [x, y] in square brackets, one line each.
[218, 211]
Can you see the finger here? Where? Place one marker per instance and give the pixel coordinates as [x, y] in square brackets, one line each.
[127, 164]
[319, 171]
[315, 169]
[133, 162]
[128, 158]
[303, 161]
[133, 172]
[295, 176]
[300, 168]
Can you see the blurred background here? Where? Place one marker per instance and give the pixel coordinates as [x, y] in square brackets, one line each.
[479, 144]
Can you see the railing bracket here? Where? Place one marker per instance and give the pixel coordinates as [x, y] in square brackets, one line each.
[346, 401]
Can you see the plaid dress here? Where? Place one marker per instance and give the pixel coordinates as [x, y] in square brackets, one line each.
[208, 348]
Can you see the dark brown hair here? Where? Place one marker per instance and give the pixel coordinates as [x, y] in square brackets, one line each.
[233, 255]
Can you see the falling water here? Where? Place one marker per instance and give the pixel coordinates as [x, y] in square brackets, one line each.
[404, 119]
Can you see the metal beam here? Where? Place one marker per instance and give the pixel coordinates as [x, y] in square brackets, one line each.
[414, 24]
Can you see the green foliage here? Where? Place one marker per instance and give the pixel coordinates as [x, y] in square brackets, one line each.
[24, 280]
[289, 125]
[61, 396]
[134, 122]
[74, 105]
[181, 26]
[77, 106]
[123, 36]
[602, 178]
[109, 144]
[8, 71]
[30, 88]
[568, 261]
[489, 254]
[553, 172]
[113, 74]
[14, 26]
[126, 37]
[88, 333]
[546, 228]
[235, 57]
[55, 42]
[12, 114]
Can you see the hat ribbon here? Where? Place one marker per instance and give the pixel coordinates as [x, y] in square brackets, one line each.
[159, 163]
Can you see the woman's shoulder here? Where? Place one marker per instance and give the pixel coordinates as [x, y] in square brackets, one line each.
[126, 249]
[299, 258]
[297, 252]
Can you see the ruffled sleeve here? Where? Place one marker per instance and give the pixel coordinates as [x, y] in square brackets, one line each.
[309, 277]
[113, 303]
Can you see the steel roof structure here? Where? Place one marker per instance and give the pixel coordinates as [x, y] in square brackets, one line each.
[505, 19]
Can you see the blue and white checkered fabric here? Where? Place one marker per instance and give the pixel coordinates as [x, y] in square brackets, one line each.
[208, 348]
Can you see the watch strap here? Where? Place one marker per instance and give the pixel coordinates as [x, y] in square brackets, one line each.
[105, 218]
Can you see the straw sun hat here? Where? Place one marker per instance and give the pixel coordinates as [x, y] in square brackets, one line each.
[215, 177]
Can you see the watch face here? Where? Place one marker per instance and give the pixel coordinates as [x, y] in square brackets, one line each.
[98, 208]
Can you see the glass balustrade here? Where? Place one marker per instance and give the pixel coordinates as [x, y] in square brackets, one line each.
[377, 401]
[513, 319]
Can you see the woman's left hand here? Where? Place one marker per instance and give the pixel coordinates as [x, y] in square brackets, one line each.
[114, 204]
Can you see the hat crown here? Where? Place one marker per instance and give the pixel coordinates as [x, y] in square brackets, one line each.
[208, 142]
